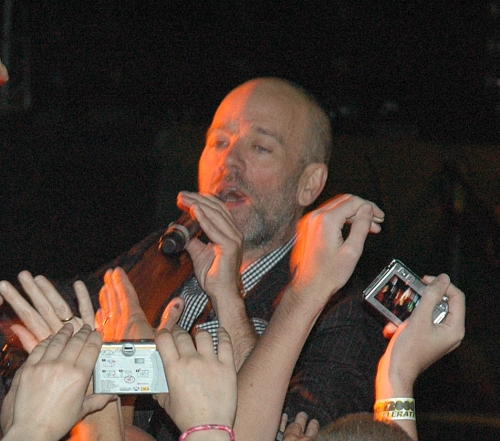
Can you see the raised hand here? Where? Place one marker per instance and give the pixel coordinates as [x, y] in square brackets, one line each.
[48, 393]
[49, 311]
[202, 384]
[121, 316]
[418, 342]
[322, 260]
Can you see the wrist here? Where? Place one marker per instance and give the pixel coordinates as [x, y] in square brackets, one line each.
[397, 408]
[389, 383]
[208, 432]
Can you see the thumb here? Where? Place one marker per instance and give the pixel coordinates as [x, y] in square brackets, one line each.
[95, 402]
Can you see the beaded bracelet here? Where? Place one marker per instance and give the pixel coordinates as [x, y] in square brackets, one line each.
[395, 409]
[208, 427]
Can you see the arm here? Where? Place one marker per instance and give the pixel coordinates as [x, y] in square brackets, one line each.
[322, 262]
[48, 393]
[418, 343]
[217, 265]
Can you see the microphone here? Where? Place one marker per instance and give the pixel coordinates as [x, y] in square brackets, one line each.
[178, 234]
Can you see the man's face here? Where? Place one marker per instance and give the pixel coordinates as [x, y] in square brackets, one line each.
[253, 159]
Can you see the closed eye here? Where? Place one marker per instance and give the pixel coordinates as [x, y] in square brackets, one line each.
[261, 149]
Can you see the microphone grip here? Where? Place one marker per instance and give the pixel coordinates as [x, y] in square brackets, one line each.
[178, 234]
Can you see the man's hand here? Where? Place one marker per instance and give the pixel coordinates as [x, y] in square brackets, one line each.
[217, 268]
[50, 310]
[216, 264]
[322, 260]
[47, 396]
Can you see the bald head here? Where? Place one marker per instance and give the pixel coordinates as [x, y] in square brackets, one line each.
[318, 144]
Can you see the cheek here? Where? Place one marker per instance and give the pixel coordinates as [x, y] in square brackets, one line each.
[206, 169]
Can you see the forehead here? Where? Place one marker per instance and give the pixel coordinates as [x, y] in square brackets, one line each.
[264, 107]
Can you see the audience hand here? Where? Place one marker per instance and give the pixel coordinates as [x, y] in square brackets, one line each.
[4, 75]
[47, 395]
[300, 430]
[202, 384]
[418, 342]
[50, 310]
[121, 316]
[322, 260]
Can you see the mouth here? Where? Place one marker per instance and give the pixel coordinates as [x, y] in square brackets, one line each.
[231, 196]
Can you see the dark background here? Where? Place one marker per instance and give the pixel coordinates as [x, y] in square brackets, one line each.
[108, 100]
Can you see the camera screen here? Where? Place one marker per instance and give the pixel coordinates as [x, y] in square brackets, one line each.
[398, 297]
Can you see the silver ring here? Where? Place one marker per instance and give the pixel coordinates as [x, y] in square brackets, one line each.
[66, 320]
[106, 319]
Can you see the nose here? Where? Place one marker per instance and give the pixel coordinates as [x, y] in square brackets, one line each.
[232, 157]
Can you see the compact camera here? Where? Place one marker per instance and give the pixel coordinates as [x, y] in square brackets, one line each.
[396, 291]
[129, 367]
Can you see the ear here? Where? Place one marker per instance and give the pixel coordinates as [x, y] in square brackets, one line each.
[311, 183]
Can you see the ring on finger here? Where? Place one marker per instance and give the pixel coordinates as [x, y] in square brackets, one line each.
[66, 320]
[106, 319]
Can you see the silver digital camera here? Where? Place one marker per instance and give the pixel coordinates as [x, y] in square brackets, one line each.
[129, 367]
[396, 291]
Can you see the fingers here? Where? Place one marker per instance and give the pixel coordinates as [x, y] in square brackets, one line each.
[184, 342]
[172, 313]
[213, 216]
[312, 429]
[82, 350]
[57, 343]
[28, 315]
[432, 295]
[204, 344]
[95, 402]
[46, 300]
[455, 320]
[225, 347]
[352, 203]
[300, 429]
[166, 346]
[37, 352]
[174, 344]
[84, 303]
[27, 338]
[359, 230]
[124, 288]
[389, 330]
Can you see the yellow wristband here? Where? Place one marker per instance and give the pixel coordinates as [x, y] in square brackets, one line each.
[395, 409]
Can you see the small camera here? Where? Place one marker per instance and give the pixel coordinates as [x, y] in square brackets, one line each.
[396, 291]
[129, 367]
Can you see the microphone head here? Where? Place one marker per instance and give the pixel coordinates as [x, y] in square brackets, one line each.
[172, 243]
